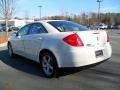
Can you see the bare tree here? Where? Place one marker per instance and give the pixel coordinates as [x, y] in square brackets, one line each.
[7, 9]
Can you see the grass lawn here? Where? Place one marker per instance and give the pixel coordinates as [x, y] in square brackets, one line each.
[3, 38]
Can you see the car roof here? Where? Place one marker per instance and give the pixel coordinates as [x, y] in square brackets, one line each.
[49, 20]
[48, 27]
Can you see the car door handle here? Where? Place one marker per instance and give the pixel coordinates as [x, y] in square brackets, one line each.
[40, 38]
[19, 37]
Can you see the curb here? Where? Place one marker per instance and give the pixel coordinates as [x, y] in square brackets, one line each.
[3, 44]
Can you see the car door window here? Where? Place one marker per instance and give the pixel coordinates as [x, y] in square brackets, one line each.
[24, 31]
[37, 28]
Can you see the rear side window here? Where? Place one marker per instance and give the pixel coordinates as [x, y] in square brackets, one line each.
[37, 28]
[66, 26]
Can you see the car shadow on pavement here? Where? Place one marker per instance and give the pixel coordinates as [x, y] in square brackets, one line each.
[21, 64]
[31, 67]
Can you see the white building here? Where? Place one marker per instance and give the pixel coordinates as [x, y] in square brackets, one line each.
[16, 22]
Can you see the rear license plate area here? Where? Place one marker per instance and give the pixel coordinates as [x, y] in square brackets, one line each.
[99, 53]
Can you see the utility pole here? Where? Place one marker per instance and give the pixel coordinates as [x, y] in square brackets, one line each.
[40, 10]
[99, 4]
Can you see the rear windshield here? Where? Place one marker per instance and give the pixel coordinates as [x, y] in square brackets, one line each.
[66, 26]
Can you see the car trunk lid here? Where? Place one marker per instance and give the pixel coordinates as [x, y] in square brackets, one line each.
[95, 38]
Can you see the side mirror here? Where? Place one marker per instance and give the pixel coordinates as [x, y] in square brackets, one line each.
[17, 34]
[14, 34]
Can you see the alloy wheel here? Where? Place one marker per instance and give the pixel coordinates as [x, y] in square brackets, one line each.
[48, 65]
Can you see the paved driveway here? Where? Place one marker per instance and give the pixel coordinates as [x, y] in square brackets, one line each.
[21, 74]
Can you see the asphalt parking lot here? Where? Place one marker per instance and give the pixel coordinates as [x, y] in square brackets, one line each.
[22, 74]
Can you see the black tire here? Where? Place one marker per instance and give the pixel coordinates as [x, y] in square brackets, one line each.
[48, 62]
[10, 51]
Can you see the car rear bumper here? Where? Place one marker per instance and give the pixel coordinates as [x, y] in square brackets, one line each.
[86, 66]
[83, 57]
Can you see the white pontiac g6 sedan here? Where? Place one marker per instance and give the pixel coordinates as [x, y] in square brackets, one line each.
[59, 44]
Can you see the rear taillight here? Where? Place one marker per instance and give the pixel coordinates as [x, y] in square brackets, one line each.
[73, 40]
[108, 37]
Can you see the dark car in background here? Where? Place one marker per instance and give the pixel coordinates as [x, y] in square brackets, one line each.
[10, 28]
[115, 26]
[13, 28]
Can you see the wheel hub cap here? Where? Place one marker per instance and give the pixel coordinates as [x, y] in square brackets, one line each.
[47, 65]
